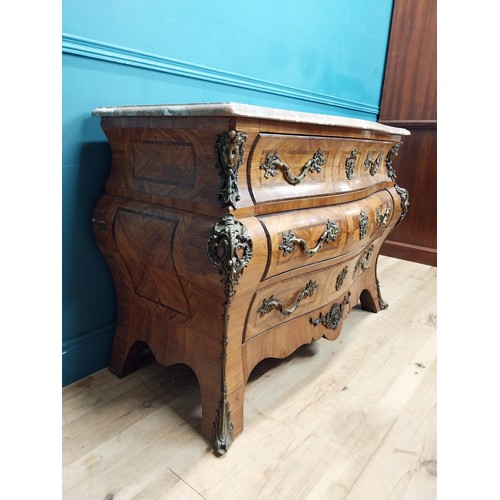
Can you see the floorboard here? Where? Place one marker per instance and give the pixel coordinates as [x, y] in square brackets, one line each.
[350, 419]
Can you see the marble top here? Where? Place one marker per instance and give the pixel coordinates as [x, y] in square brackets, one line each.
[245, 110]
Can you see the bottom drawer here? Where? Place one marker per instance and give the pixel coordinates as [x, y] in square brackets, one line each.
[289, 299]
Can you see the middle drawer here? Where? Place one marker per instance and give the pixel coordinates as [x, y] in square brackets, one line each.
[302, 237]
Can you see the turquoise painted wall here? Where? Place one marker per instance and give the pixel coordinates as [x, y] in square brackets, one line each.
[324, 56]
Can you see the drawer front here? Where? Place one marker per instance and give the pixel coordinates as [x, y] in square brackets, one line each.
[289, 299]
[303, 237]
[284, 167]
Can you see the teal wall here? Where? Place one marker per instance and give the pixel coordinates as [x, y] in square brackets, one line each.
[324, 56]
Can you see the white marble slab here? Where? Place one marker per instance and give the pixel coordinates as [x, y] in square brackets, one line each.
[246, 110]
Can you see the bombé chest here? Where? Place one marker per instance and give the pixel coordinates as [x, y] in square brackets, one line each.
[236, 233]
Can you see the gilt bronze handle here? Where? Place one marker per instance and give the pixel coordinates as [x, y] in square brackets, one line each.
[383, 217]
[371, 164]
[272, 162]
[272, 303]
[289, 240]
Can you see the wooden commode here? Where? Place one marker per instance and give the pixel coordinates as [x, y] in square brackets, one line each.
[236, 233]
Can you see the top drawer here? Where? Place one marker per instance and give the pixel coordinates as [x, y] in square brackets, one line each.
[284, 167]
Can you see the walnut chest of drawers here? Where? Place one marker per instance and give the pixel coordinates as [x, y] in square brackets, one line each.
[236, 233]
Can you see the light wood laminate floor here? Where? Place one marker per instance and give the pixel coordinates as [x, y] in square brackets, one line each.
[349, 419]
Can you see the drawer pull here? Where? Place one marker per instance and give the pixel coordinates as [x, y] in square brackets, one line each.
[371, 164]
[363, 224]
[273, 162]
[364, 260]
[290, 240]
[341, 278]
[272, 303]
[383, 217]
[334, 316]
[350, 163]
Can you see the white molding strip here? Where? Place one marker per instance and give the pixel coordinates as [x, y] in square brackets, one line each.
[130, 57]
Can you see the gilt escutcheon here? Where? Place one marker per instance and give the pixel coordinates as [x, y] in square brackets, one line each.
[334, 316]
